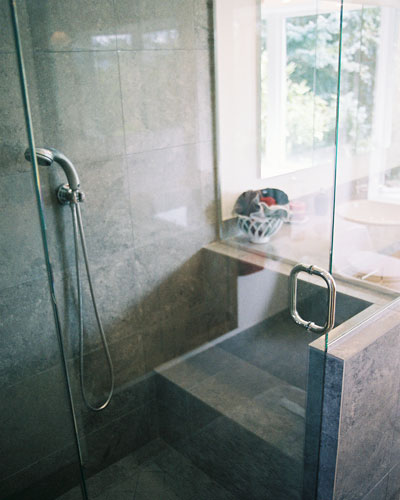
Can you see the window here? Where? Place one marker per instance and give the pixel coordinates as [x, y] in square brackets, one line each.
[299, 80]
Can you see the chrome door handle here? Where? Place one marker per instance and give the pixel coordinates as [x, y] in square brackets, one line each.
[309, 325]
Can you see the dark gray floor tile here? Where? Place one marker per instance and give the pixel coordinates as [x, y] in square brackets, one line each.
[241, 462]
[148, 483]
[121, 437]
[125, 469]
[123, 490]
[73, 494]
[187, 480]
[152, 485]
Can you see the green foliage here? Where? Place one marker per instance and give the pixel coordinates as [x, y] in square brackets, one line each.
[309, 116]
[312, 48]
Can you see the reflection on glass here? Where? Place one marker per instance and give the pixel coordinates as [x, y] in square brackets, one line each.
[300, 44]
[368, 196]
[299, 57]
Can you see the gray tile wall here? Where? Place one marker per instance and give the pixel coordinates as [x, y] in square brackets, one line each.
[36, 431]
[124, 90]
[360, 449]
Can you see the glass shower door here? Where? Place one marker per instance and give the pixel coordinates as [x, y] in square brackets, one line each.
[217, 391]
[39, 457]
[367, 184]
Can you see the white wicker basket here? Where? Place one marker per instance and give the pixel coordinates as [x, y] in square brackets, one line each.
[259, 228]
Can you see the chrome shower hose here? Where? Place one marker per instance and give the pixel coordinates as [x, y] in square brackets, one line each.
[78, 228]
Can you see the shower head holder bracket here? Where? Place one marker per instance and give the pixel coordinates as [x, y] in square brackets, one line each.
[66, 195]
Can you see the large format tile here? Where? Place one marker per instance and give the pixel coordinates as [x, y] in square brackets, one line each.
[154, 24]
[85, 25]
[188, 166]
[153, 484]
[106, 211]
[36, 420]
[244, 464]
[21, 250]
[79, 101]
[149, 483]
[368, 414]
[313, 305]
[332, 398]
[195, 369]
[315, 384]
[203, 23]
[120, 437]
[74, 493]
[205, 98]
[326, 470]
[166, 98]
[393, 485]
[281, 348]
[169, 277]
[379, 492]
[124, 469]
[132, 389]
[114, 292]
[105, 214]
[224, 392]
[46, 478]
[123, 490]
[277, 416]
[171, 193]
[188, 481]
[134, 394]
[6, 32]
[28, 336]
[12, 119]
[395, 452]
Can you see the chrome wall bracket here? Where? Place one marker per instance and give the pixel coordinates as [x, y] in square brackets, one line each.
[66, 195]
[330, 282]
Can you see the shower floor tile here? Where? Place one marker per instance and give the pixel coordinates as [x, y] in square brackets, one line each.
[234, 425]
[167, 475]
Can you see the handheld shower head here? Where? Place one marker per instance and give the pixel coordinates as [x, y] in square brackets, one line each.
[46, 156]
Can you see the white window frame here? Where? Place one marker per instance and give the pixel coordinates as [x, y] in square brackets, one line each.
[274, 163]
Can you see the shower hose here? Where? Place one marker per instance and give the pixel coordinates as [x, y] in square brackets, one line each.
[78, 228]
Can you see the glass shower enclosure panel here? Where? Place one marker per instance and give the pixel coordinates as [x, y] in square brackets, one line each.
[367, 205]
[39, 457]
[277, 118]
[217, 392]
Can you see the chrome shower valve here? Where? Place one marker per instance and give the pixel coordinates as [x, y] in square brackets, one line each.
[66, 195]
